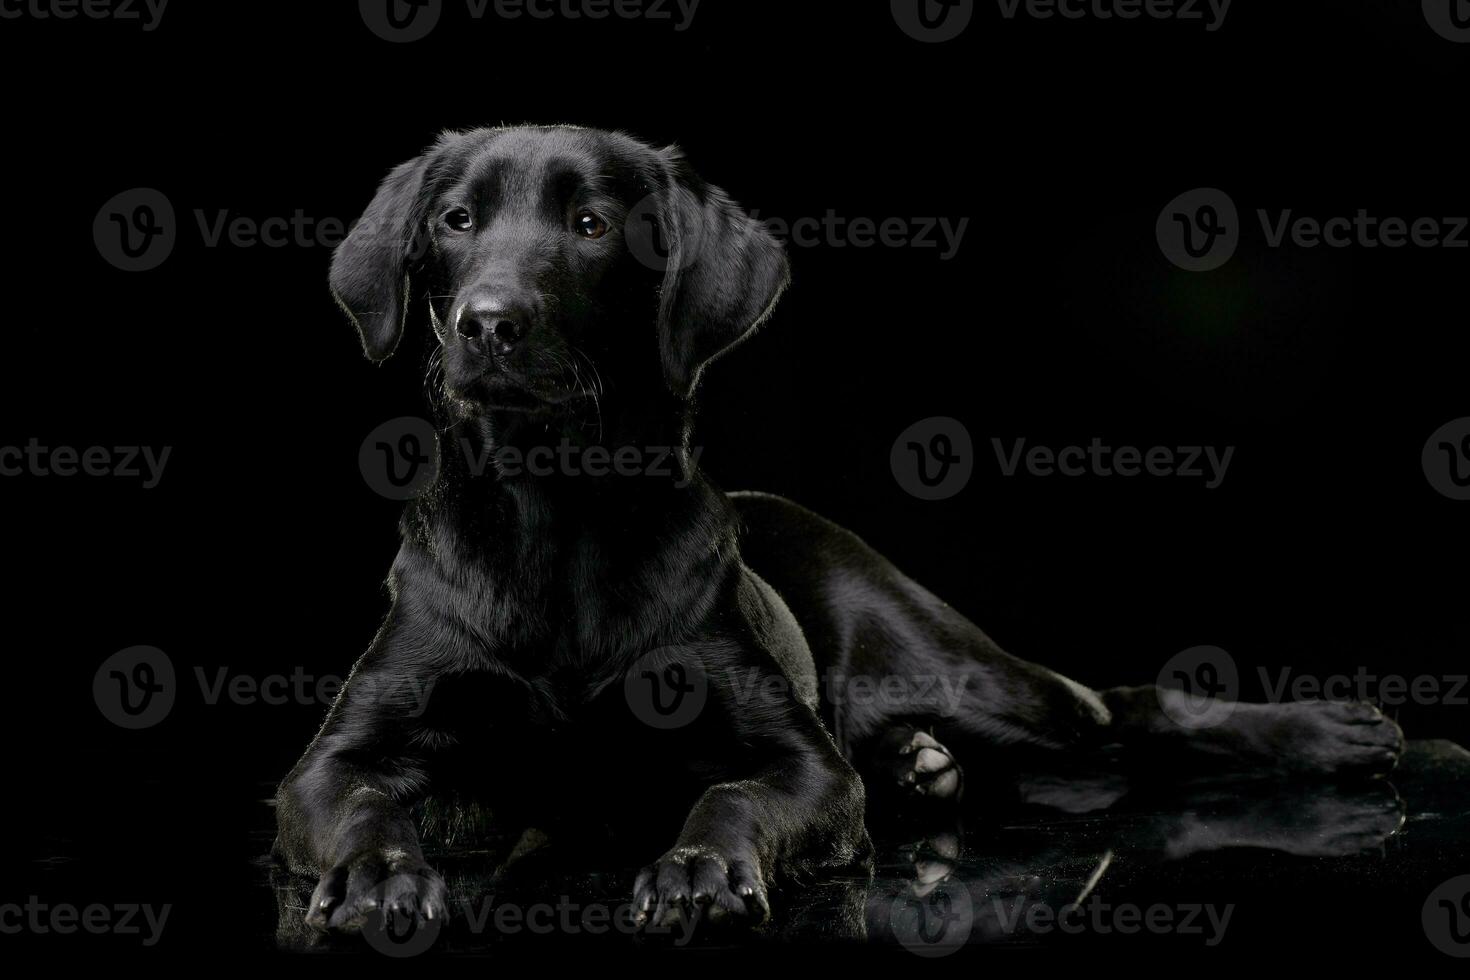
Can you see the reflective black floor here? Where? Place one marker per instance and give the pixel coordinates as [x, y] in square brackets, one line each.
[1081, 865]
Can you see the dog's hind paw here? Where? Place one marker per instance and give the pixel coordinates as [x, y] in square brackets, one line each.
[1328, 738]
[924, 767]
[1346, 737]
[933, 860]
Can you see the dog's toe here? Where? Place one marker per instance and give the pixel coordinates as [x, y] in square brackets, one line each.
[347, 896]
[695, 883]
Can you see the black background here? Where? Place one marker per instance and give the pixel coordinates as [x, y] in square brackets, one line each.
[263, 551]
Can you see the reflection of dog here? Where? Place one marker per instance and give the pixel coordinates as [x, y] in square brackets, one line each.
[529, 601]
[986, 889]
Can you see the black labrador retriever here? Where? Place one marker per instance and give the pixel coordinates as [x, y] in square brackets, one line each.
[574, 284]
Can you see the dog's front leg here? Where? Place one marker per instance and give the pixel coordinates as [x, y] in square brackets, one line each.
[342, 812]
[799, 809]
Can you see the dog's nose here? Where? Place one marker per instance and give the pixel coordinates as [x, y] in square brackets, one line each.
[493, 326]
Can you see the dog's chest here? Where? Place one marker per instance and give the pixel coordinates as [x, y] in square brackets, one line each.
[565, 701]
[567, 727]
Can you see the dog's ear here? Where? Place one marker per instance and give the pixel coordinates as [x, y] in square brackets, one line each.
[372, 267]
[725, 271]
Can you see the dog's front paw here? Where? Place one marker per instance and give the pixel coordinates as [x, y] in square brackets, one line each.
[393, 884]
[700, 882]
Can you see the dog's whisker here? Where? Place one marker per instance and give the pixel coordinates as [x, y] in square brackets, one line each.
[433, 376]
[596, 391]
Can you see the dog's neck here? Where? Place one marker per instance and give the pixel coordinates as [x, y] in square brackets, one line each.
[552, 541]
[603, 453]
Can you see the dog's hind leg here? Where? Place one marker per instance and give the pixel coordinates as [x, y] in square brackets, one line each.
[904, 678]
[895, 662]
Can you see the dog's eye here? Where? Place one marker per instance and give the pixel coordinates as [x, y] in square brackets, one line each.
[589, 225]
[458, 219]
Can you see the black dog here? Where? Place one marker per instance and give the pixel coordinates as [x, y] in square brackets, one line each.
[576, 283]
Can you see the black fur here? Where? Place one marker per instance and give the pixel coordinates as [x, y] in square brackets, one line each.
[521, 602]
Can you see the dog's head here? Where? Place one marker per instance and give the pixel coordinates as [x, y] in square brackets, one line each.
[549, 260]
